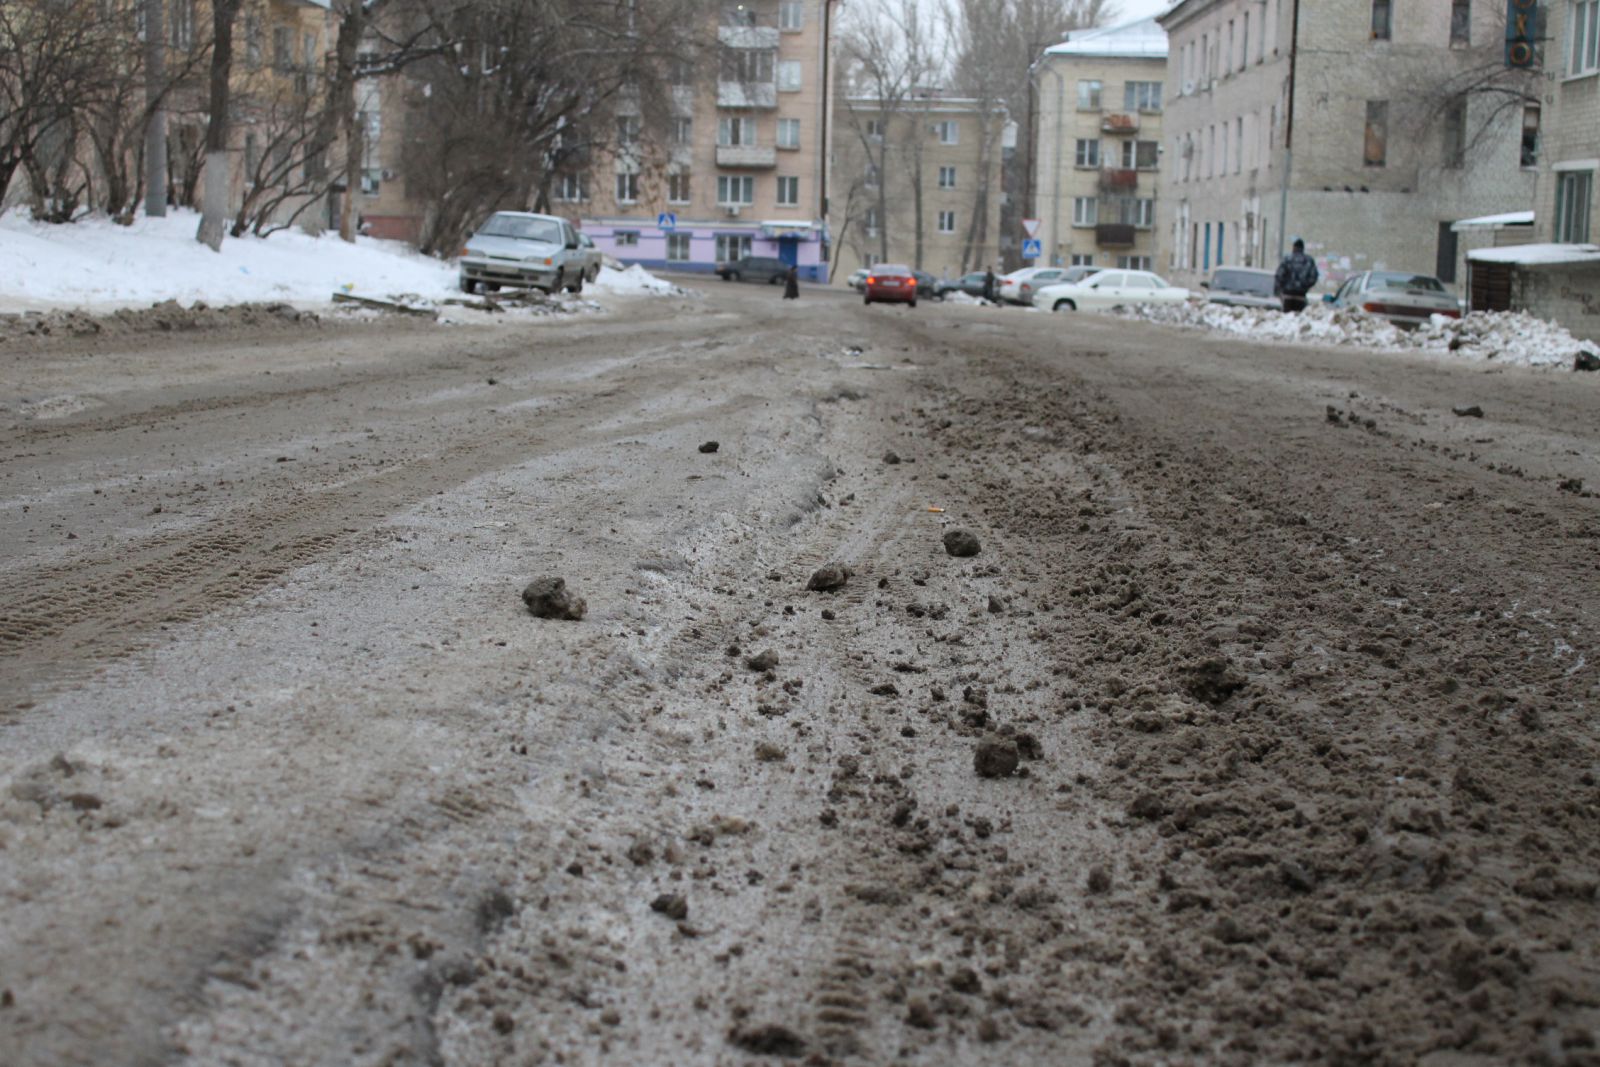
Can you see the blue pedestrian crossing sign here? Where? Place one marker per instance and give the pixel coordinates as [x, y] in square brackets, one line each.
[667, 221]
[1031, 248]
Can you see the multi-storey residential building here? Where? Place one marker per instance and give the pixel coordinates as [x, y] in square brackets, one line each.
[1367, 127]
[932, 154]
[746, 171]
[1558, 275]
[1100, 148]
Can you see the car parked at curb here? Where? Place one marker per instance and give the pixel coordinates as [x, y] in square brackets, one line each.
[928, 286]
[858, 279]
[524, 250]
[1245, 287]
[970, 283]
[1405, 299]
[1020, 286]
[768, 270]
[590, 257]
[1106, 289]
[890, 283]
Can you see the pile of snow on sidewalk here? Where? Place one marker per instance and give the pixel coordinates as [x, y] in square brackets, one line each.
[98, 265]
[1502, 336]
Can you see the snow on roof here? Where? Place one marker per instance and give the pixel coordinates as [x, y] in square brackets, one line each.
[1510, 218]
[1532, 255]
[1141, 39]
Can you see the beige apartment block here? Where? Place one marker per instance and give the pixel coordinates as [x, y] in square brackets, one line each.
[929, 164]
[744, 167]
[1395, 126]
[1100, 156]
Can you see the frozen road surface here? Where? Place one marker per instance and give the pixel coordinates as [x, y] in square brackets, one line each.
[1281, 678]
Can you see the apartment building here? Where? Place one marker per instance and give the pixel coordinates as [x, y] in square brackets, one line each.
[1557, 276]
[1100, 153]
[1367, 127]
[934, 155]
[747, 169]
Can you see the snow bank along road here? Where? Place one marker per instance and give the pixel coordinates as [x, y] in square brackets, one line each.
[1300, 668]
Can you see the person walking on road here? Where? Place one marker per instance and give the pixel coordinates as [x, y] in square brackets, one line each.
[1296, 275]
[991, 292]
[791, 283]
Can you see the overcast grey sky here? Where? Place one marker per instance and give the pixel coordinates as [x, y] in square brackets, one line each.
[1138, 9]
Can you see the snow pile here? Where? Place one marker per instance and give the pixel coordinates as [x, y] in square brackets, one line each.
[97, 265]
[1502, 336]
[633, 281]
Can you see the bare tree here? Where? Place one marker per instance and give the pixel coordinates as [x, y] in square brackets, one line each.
[155, 141]
[218, 170]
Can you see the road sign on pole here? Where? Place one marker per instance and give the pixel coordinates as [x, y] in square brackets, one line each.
[1030, 227]
[1031, 249]
[667, 221]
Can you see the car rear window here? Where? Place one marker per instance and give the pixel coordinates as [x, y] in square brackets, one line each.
[891, 268]
[1243, 281]
[1382, 279]
[522, 229]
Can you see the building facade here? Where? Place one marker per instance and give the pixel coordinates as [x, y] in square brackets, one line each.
[1367, 127]
[917, 182]
[745, 171]
[1100, 147]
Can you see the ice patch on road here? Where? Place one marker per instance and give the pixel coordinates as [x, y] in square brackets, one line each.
[57, 407]
[1502, 336]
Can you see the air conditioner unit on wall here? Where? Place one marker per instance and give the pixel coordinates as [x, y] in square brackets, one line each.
[733, 211]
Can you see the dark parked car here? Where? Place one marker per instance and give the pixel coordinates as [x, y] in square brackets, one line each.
[1243, 287]
[929, 286]
[768, 269]
[890, 283]
[971, 284]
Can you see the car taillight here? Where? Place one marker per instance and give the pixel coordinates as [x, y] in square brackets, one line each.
[1026, 287]
[1452, 314]
[871, 280]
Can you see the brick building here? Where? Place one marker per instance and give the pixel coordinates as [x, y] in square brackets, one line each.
[1361, 125]
[1100, 147]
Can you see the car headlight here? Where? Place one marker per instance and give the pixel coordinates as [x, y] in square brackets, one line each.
[470, 251]
[546, 260]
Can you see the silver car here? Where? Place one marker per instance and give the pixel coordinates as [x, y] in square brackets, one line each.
[519, 248]
[1405, 299]
[1244, 287]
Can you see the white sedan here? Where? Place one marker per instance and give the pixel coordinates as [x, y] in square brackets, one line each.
[1019, 286]
[1109, 289]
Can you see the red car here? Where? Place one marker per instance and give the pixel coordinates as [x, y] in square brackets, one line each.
[890, 283]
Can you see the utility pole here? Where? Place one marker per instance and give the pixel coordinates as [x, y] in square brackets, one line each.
[155, 134]
[1288, 133]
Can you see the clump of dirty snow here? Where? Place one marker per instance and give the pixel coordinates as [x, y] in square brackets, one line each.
[1502, 336]
[634, 281]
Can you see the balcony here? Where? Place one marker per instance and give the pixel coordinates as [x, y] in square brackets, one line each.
[749, 156]
[1119, 123]
[1114, 235]
[748, 36]
[762, 95]
[1118, 180]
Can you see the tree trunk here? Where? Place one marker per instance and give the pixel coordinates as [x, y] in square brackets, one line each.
[155, 134]
[214, 201]
[342, 98]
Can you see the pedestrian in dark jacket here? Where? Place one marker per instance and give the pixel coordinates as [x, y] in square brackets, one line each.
[1296, 275]
[791, 284]
[991, 292]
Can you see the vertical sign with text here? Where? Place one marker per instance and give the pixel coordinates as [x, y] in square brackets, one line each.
[1522, 33]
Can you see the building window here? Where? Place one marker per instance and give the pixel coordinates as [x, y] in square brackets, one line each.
[870, 178]
[1133, 262]
[736, 131]
[947, 222]
[1089, 95]
[181, 33]
[627, 188]
[789, 76]
[791, 16]
[732, 246]
[1574, 191]
[572, 188]
[875, 130]
[1460, 23]
[682, 131]
[948, 131]
[735, 190]
[627, 129]
[1375, 151]
[1530, 135]
[788, 133]
[788, 192]
[252, 40]
[1238, 144]
[1141, 96]
[1081, 259]
[1084, 211]
[625, 238]
[1087, 153]
[947, 177]
[1584, 55]
[747, 65]
[678, 188]
[677, 247]
[282, 49]
[1244, 41]
[871, 222]
[1454, 131]
[734, 14]
[1382, 19]
[1140, 154]
[1136, 211]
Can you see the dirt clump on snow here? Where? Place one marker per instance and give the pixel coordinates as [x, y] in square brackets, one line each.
[549, 598]
[166, 317]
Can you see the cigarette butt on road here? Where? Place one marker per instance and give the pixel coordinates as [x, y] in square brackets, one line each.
[936, 511]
